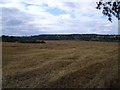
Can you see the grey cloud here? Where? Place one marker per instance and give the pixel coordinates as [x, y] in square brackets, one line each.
[2, 1]
[21, 31]
[70, 4]
[15, 22]
[14, 16]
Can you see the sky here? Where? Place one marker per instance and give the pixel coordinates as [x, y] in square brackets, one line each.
[35, 17]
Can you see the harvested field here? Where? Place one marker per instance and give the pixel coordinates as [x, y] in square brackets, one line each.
[60, 64]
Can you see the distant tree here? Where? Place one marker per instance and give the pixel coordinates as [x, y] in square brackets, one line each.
[109, 8]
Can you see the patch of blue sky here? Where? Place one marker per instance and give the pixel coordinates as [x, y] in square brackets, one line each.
[45, 5]
[56, 11]
[27, 4]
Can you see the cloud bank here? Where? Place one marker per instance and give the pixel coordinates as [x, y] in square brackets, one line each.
[34, 17]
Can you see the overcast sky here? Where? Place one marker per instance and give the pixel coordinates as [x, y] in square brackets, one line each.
[34, 17]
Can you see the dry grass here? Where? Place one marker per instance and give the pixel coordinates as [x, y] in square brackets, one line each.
[60, 64]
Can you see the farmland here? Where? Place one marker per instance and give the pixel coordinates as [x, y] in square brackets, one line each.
[60, 64]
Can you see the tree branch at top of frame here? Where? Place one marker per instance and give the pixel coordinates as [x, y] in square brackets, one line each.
[109, 8]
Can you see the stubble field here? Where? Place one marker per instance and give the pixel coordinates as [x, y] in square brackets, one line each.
[60, 64]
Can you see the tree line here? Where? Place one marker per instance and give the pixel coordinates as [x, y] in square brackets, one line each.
[42, 38]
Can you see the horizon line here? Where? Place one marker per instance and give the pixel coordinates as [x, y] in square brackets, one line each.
[55, 34]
